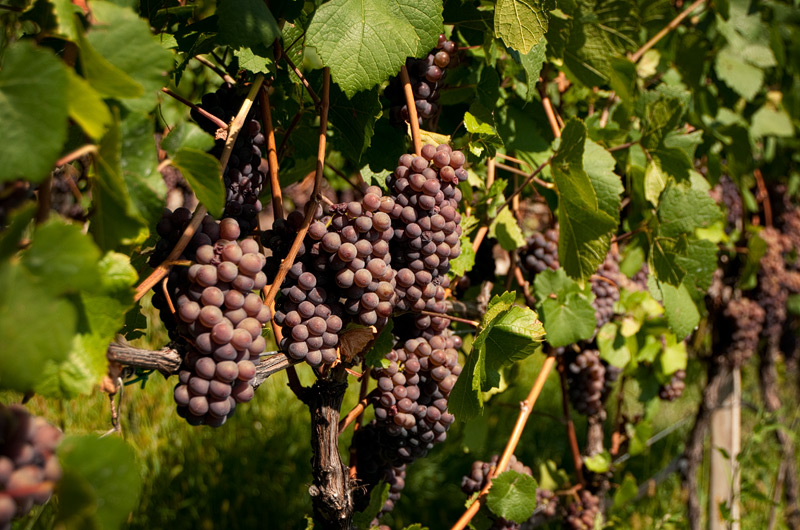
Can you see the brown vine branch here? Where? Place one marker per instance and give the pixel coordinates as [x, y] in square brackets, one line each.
[272, 154]
[573, 439]
[551, 115]
[531, 178]
[664, 31]
[413, 119]
[356, 411]
[473, 323]
[512, 159]
[763, 196]
[312, 205]
[303, 80]
[233, 132]
[218, 122]
[525, 411]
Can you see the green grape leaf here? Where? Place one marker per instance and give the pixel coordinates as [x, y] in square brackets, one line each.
[613, 346]
[364, 42]
[202, 172]
[585, 229]
[661, 116]
[508, 333]
[187, 134]
[565, 308]
[115, 219]
[680, 309]
[33, 103]
[246, 23]
[62, 258]
[744, 78]
[376, 357]
[626, 493]
[100, 483]
[682, 210]
[354, 119]
[520, 23]
[101, 315]
[673, 357]
[254, 63]
[105, 77]
[465, 261]
[599, 165]
[371, 178]
[35, 326]
[512, 496]
[139, 165]
[655, 180]
[86, 106]
[531, 63]
[506, 230]
[125, 41]
[700, 262]
[377, 498]
[484, 140]
[665, 259]
[770, 122]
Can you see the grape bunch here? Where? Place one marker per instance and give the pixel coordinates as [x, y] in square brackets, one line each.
[426, 76]
[673, 389]
[745, 321]
[427, 229]
[540, 252]
[605, 289]
[776, 282]
[214, 313]
[588, 382]
[29, 467]
[246, 172]
[343, 273]
[581, 515]
[726, 193]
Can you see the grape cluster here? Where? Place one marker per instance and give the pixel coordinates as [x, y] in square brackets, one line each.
[673, 389]
[726, 193]
[589, 380]
[214, 313]
[246, 172]
[28, 464]
[745, 321]
[426, 76]
[776, 282]
[546, 503]
[581, 515]
[427, 229]
[343, 273]
[540, 252]
[605, 289]
[62, 198]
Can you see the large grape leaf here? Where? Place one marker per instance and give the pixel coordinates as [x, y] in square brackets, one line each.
[584, 228]
[682, 210]
[33, 103]
[364, 42]
[508, 333]
[100, 483]
[202, 172]
[520, 23]
[86, 106]
[246, 23]
[565, 308]
[125, 41]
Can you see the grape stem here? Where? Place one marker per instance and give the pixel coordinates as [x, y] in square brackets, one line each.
[312, 205]
[217, 70]
[531, 178]
[525, 411]
[413, 119]
[233, 132]
[573, 439]
[76, 154]
[473, 323]
[272, 154]
[763, 196]
[551, 115]
[303, 80]
[218, 122]
[665, 30]
[358, 410]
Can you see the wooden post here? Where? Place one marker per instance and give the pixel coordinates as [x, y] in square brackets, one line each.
[725, 447]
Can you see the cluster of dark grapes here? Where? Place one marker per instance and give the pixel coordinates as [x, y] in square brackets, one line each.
[745, 319]
[211, 310]
[540, 252]
[673, 389]
[776, 282]
[589, 380]
[63, 198]
[427, 229]
[426, 76]
[246, 172]
[605, 289]
[29, 467]
[726, 193]
[343, 273]
[547, 502]
[581, 514]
